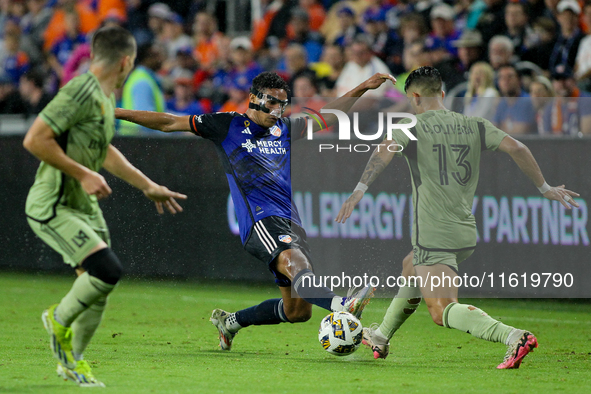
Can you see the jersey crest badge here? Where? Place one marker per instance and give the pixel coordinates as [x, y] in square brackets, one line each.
[285, 239]
[276, 131]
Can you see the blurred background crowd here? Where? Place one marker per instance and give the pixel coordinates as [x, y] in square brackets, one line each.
[525, 65]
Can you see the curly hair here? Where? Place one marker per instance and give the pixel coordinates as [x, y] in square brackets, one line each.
[427, 79]
[269, 80]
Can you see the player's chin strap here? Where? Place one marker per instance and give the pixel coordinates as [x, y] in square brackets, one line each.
[264, 98]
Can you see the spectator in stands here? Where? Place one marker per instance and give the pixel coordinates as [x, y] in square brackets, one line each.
[583, 59]
[10, 101]
[183, 101]
[541, 93]
[448, 65]
[348, 28]
[79, 60]
[567, 45]
[296, 62]
[142, 90]
[492, 20]
[88, 21]
[515, 113]
[570, 111]
[299, 33]
[315, 11]
[540, 48]
[244, 67]
[207, 40]
[13, 61]
[362, 64]
[500, 52]
[262, 21]
[173, 35]
[237, 98]
[412, 28]
[157, 15]
[442, 24]
[64, 46]
[32, 93]
[481, 96]
[33, 24]
[517, 26]
[385, 42]
[470, 48]
[329, 68]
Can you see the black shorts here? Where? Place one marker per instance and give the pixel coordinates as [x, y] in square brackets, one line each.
[271, 236]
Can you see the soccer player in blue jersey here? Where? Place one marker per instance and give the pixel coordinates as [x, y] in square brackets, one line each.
[254, 148]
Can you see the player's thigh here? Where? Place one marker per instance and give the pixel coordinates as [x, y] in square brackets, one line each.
[437, 271]
[73, 235]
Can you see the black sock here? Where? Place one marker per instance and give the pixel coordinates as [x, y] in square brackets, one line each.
[267, 312]
[304, 286]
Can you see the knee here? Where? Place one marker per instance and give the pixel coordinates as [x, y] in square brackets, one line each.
[104, 265]
[436, 311]
[299, 315]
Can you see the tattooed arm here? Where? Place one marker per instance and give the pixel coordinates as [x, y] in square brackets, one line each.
[380, 158]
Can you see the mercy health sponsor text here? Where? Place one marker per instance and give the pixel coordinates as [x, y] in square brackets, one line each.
[515, 219]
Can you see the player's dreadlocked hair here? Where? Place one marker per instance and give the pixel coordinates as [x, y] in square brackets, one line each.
[269, 80]
[426, 79]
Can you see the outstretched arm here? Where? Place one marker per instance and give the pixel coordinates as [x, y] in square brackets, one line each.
[155, 120]
[345, 102]
[380, 158]
[119, 166]
[40, 141]
[528, 164]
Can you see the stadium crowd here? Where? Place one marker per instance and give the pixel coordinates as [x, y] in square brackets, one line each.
[522, 64]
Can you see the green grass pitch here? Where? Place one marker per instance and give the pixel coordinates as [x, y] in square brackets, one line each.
[156, 338]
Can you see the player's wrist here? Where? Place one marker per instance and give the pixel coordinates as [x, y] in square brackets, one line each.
[362, 187]
[544, 188]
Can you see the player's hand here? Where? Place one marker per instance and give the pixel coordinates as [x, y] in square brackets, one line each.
[348, 206]
[559, 193]
[94, 183]
[164, 198]
[376, 80]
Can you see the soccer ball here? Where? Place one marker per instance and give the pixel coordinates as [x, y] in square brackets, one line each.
[340, 333]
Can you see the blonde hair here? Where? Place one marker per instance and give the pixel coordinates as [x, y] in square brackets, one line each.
[488, 82]
[545, 82]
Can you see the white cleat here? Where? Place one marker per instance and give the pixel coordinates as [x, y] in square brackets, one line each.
[218, 319]
[355, 303]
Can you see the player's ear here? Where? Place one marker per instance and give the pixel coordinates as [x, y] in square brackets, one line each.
[416, 98]
[442, 94]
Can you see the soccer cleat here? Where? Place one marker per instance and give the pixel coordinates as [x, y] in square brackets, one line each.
[60, 338]
[379, 351]
[81, 375]
[354, 303]
[218, 319]
[518, 350]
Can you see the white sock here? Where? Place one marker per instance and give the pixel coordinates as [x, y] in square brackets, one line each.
[336, 304]
[231, 323]
[379, 338]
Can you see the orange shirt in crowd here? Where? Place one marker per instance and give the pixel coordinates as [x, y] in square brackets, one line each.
[207, 50]
[231, 106]
[57, 25]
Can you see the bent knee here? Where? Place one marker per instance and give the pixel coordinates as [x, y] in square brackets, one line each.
[299, 316]
[104, 265]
